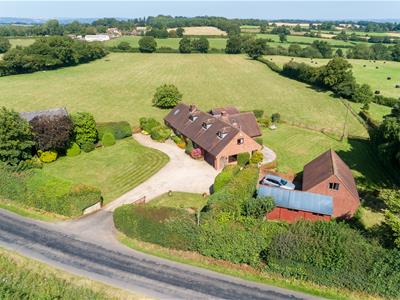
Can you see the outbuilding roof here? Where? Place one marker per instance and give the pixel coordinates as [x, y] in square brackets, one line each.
[326, 165]
[298, 200]
[49, 112]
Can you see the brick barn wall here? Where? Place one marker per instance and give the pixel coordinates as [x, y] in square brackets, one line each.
[281, 213]
[344, 203]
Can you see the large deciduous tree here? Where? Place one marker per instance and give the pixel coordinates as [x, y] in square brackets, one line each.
[255, 47]
[16, 140]
[4, 45]
[201, 45]
[167, 96]
[147, 44]
[185, 45]
[234, 45]
[391, 198]
[337, 75]
[52, 132]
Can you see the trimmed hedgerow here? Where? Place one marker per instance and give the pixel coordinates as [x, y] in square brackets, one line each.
[224, 177]
[120, 130]
[228, 202]
[108, 139]
[36, 189]
[169, 227]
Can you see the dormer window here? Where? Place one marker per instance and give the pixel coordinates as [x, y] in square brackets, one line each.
[176, 111]
[221, 135]
[206, 125]
[193, 118]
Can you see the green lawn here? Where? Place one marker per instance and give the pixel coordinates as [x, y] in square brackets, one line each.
[115, 170]
[376, 78]
[180, 200]
[217, 43]
[121, 87]
[295, 147]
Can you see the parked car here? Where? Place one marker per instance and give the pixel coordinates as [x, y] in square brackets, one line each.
[277, 181]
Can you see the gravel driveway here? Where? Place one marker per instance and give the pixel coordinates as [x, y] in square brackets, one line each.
[181, 173]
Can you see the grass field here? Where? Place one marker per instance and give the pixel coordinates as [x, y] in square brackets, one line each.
[114, 170]
[21, 42]
[295, 147]
[217, 43]
[121, 87]
[376, 78]
[23, 278]
[180, 200]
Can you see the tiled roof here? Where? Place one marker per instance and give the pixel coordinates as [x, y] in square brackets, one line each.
[298, 200]
[207, 139]
[230, 110]
[50, 112]
[326, 165]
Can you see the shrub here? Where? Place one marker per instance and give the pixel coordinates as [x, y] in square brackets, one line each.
[185, 45]
[74, 150]
[243, 158]
[147, 124]
[224, 177]
[258, 113]
[160, 133]
[167, 96]
[202, 45]
[124, 46]
[256, 158]
[88, 147]
[196, 153]
[258, 207]
[387, 101]
[52, 132]
[47, 156]
[108, 139]
[16, 139]
[189, 147]
[5, 45]
[147, 44]
[120, 130]
[259, 140]
[264, 122]
[275, 117]
[84, 128]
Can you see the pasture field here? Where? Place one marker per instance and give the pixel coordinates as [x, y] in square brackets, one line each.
[180, 200]
[24, 278]
[121, 86]
[217, 43]
[374, 73]
[21, 42]
[305, 40]
[296, 146]
[114, 170]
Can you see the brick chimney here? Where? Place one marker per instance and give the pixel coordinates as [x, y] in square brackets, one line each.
[192, 108]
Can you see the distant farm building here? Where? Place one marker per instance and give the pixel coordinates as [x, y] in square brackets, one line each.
[220, 135]
[113, 32]
[97, 38]
[328, 190]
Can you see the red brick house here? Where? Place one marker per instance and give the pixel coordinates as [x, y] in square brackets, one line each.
[221, 134]
[329, 175]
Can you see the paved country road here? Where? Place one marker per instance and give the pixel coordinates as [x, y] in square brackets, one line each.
[102, 258]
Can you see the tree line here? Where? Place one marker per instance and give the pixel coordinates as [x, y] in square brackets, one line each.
[49, 53]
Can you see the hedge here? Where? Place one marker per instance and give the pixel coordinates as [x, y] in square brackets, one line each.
[108, 139]
[120, 130]
[39, 190]
[165, 226]
[73, 150]
[147, 124]
[224, 177]
[243, 158]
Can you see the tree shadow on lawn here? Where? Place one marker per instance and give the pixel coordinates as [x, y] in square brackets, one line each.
[373, 175]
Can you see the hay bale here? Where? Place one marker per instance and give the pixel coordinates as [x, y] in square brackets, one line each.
[364, 66]
[376, 67]
[377, 92]
[397, 86]
[389, 78]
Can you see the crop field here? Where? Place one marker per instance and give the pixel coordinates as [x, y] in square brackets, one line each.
[374, 73]
[296, 146]
[121, 87]
[202, 30]
[217, 43]
[114, 170]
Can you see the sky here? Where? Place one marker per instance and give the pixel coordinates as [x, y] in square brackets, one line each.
[312, 10]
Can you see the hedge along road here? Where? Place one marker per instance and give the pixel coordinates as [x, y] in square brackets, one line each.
[102, 258]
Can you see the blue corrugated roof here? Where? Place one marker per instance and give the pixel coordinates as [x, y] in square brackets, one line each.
[298, 200]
